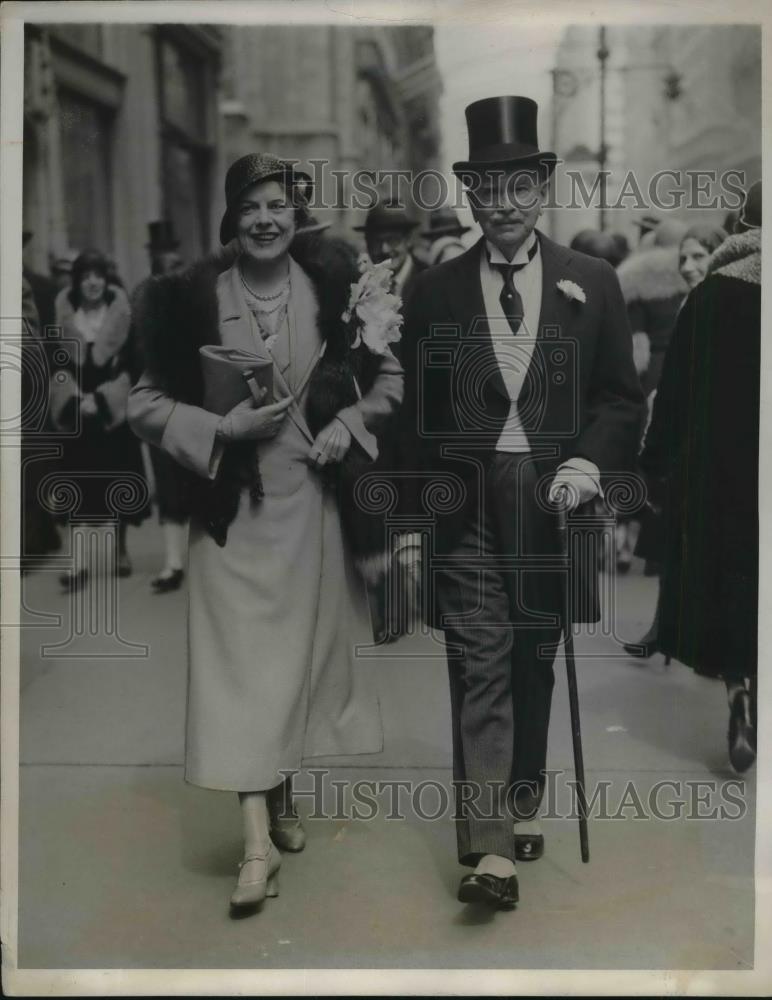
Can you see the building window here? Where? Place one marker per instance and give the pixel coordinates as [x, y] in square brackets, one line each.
[86, 136]
[86, 37]
[186, 84]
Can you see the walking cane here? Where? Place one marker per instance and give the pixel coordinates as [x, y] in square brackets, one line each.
[573, 694]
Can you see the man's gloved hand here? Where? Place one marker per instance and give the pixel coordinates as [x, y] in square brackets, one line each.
[572, 487]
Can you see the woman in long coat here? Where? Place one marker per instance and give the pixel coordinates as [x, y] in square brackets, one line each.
[694, 252]
[704, 437]
[89, 393]
[277, 607]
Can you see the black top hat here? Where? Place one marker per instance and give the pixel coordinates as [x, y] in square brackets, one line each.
[502, 132]
[750, 216]
[249, 170]
[162, 238]
[388, 216]
[444, 222]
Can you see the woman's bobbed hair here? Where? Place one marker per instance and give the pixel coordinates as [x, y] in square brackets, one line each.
[87, 260]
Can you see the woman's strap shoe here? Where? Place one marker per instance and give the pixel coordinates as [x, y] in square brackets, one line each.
[258, 878]
[501, 893]
[529, 846]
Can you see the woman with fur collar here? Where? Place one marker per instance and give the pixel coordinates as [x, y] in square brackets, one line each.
[277, 609]
[89, 393]
[704, 437]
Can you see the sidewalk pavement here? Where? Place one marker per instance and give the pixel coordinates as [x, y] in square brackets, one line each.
[123, 865]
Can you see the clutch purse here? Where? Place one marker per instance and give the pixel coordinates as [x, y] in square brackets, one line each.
[231, 375]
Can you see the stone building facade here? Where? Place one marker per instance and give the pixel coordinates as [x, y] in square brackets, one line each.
[335, 99]
[121, 127]
[682, 98]
[126, 124]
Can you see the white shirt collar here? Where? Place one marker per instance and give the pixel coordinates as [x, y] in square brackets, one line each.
[521, 257]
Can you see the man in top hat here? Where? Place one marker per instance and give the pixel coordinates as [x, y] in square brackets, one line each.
[520, 396]
[444, 235]
[163, 248]
[388, 231]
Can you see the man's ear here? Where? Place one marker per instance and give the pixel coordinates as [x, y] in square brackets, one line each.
[544, 193]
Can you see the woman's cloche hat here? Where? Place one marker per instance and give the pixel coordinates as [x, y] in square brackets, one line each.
[251, 169]
[502, 133]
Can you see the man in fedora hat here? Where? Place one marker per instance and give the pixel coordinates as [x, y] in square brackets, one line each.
[388, 230]
[520, 396]
[388, 233]
[444, 235]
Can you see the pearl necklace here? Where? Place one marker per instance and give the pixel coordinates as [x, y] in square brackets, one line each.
[264, 298]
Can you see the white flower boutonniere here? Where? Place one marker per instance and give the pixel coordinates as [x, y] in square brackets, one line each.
[572, 291]
[373, 312]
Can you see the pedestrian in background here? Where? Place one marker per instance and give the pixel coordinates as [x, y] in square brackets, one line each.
[388, 236]
[388, 232]
[694, 254]
[443, 236]
[61, 268]
[89, 395]
[704, 439]
[39, 534]
[171, 500]
[653, 290]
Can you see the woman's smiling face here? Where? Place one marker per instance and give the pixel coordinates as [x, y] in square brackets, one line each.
[265, 221]
[92, 287]
[693, 261]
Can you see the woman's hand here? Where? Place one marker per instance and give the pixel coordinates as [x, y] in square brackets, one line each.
[249, 421]
[331, 444]
[88, 405]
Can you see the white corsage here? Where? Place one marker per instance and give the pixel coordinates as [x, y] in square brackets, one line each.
[373, 311]
[572, 291]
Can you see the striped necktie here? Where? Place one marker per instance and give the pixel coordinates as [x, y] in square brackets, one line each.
[511, 302]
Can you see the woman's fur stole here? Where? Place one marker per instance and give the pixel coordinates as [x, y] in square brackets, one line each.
[178, 314]
[739, 256]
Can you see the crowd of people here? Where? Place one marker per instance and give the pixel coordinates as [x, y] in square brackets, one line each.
[256, 494]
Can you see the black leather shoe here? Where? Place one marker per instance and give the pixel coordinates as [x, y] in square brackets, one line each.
[499, 892]
[742, 733]
[641, 650]
[529, 846]
[71, 582]
[164, 583]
